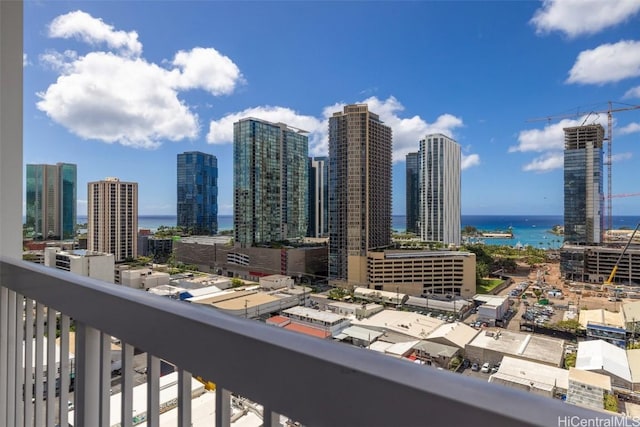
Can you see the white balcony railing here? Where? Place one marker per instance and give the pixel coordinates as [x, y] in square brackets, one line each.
[312, 381]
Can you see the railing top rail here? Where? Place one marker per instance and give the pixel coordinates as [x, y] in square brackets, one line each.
[313, 381]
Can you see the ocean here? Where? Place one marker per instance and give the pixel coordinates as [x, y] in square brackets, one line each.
[532, 230]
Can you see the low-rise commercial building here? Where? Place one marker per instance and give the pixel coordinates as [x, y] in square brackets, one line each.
[455, 334]
[435, 353]
[588, 388]
[359, 336]
[631, 314]
[143, 278]
[421, 273]
[491, 346]
[327, 321]
[276, 281]
[440, 303]
[359, 311]
[252, 303]
[491, 308]
[537, 378]
[97, 265]
[604, 358]
[604, 325]
[382, 297]
[405, 323]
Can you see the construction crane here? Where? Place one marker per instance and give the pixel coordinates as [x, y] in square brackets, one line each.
[609, 138]
[609, 281]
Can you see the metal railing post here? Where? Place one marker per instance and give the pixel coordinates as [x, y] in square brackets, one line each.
[87, 412]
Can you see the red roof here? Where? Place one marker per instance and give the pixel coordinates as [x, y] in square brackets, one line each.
[308, 330]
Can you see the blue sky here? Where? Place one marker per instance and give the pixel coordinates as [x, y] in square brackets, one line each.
[120, 87]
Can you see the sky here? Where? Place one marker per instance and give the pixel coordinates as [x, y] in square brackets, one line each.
[121, 87]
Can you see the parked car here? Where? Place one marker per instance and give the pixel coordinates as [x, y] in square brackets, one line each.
[475, 367]
[486, 368]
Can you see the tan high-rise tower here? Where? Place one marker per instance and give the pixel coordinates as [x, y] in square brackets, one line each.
[359, 192]
[112, 218]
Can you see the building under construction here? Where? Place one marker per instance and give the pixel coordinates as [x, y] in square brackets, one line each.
[583, 189]
[593, 264]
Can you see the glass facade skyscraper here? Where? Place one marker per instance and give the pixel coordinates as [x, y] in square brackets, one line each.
[359, 192]
[412, 197]
[197, 204]
[583, 189]
[51, 200]
[439, 163]
[270, 182]
[318, 197]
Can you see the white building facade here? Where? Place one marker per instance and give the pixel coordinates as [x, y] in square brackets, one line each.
[439, 164]
[85, 263]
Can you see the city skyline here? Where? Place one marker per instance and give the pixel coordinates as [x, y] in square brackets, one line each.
[133, 87]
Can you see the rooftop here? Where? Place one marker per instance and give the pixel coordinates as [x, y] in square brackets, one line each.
[602, 317]
[403, 322]
[590, 378]
[309, 313]
[456, 333]
[599, 355]
[633, 359]
[631, 311]
[540, 374]
[521, 345]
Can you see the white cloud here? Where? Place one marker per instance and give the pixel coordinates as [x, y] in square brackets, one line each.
[221, 131]
[545, 163]
[470, 161]
[630, 128]
[580, 17]
[61, 62]
[119, 97]
[207, 69]
[84, 27]
[25, 61]
[115, 99]
[551, 137]
[634, 92]
[607, 63]
[621, 157]
[406, 131]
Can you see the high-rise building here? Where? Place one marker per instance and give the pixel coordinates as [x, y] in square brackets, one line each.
[112, 218]
[197, 203]
[412, 197]
[51, 200]
[359, 192]
[270, 182]
[318, 197]
[439, 165]
[583, 190]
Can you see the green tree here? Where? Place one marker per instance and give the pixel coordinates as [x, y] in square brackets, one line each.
[610, 402]
[570, 360]
[568, 325]
[337, 294]
[235, 282]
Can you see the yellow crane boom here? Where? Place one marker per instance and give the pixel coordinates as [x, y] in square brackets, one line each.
[617, 264]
